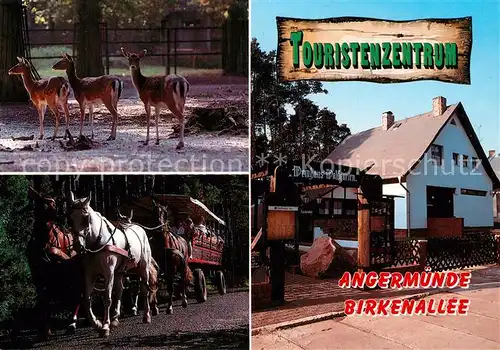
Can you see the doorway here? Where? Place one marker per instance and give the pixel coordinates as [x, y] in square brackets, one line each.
[440, 202]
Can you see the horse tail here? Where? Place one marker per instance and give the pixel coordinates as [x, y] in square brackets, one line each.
[188, 274]
[153, 276]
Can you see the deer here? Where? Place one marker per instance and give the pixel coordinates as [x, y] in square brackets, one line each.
[160, 92]
[90, 91]
[52, 92]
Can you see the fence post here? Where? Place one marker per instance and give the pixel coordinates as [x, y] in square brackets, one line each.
[106, 46]
[175, 50]
[74, 39]
[363, 232]
[497, 240]
[162, 39]
[422, 253]
[168, 52]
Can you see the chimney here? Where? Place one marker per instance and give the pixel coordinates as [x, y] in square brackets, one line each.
[387, 120]
[491, 153]
[438, 105]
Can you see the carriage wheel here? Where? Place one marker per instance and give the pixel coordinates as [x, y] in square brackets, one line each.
[200, 286]
[220, 282]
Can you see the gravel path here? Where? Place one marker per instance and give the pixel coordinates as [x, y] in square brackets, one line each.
[219, 323]
[203, 152]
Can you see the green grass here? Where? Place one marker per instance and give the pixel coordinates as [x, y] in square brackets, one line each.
[146, 70]
[117, 64]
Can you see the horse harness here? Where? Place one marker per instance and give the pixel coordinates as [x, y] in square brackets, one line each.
[113, 247]
[54, 246]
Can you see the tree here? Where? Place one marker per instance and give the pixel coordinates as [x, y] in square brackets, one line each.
[16, 223]
[11, 46]
[329, 132]
[308, 131]
[123, 13]
[88, 42]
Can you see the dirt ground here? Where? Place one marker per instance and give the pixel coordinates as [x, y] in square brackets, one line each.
[203, 152]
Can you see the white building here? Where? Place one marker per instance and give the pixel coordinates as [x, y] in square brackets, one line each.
[435, 163]
[495, 164]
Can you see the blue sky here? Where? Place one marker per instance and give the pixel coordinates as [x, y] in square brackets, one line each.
[361, 104]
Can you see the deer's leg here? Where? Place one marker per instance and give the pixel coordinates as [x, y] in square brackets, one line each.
[64, 104]
[180, 117]
[111, 108]
[91, 118]
[41, 114]
[178, 110]
[148, 119]
[82, 117]
[55, 110]
[157, 118]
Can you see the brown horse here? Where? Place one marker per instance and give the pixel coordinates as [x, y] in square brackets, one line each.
[176, 254]
[55, 269]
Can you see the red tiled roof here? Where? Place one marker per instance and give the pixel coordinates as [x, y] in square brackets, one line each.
[394, 151]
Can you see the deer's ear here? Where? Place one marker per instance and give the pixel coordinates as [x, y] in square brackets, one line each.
[68, 57]
[125, 52]
[19, 59]
[143, 53]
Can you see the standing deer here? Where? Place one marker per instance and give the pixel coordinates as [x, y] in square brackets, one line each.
[89, 91]
[160, 92]
[52, 92]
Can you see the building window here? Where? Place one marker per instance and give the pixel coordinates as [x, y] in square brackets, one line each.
[453, 122]
[437, 154]
[455, 158]
[465, 161]
[469, 192]
[337, 207]
[475, 162]
[324, 208]
[351, 207]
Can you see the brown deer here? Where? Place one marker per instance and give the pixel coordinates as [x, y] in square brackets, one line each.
[160, 92]
[89, 91]
[52, 92]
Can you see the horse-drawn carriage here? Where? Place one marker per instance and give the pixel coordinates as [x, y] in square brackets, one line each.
[192, 220]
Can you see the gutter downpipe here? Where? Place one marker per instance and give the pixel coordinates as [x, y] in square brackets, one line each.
[400, 179]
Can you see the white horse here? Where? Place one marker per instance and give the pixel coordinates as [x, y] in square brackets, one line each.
[111, 252]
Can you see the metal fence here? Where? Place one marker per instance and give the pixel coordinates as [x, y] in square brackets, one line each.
[187, 47]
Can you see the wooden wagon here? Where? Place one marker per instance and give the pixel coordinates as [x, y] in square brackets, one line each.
[207, 241]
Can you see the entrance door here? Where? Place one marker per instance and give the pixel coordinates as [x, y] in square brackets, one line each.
[440, 202]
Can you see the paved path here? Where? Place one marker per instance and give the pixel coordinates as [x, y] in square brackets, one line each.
[306, 297]
[480, 329]
[220, 322]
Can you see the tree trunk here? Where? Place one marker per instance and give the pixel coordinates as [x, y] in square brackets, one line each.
[11, 46]
[235, 42]
[88, 42]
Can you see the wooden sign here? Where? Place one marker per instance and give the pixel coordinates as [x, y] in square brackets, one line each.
[381, 51]
[280, 224]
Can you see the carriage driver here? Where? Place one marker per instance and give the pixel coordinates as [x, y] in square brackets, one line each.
[185, 231]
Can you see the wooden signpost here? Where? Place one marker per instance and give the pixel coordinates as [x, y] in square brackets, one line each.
[375, 50]
[281, 222]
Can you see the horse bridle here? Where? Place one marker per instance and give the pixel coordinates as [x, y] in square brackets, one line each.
[87, 231]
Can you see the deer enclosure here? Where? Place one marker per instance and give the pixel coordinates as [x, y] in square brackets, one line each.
[209, 48]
